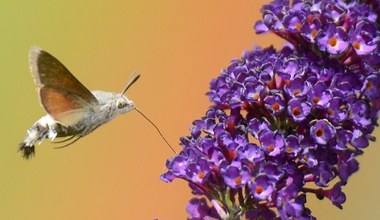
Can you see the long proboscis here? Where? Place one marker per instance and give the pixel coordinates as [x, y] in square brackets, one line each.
[132, 79]
[158, 130]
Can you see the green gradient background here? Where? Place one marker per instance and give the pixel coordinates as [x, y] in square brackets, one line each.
[113, 173]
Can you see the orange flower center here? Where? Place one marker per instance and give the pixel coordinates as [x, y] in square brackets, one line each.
[319, 132]
[330, 111]
[296, 111]
[333, 41]
[313, 34]
[259, 189]
[315, 100]
[275, 106]
[237, 180]
[356, 45]
[289, 150]
[201, 175]
[298, 26]
[256, 96]
[270, 148]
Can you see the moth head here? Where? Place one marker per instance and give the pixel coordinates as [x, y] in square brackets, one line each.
[124, 105]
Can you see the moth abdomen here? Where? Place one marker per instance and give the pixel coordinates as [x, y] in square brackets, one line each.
[43, 128]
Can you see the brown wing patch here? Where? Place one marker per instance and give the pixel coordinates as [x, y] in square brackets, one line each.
[63, 106]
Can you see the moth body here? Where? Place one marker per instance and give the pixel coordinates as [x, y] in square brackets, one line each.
[110, 105]
[72, 110]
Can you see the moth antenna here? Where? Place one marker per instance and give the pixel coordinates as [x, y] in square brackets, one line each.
[158, 130]
[132, 79]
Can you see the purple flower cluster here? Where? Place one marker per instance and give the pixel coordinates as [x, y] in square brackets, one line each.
[286, 123]
[345, 30]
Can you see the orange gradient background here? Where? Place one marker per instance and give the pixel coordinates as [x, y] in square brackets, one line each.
[113, 173]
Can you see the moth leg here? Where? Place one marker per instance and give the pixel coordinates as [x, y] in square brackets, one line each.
[64, 140]
[72, 142]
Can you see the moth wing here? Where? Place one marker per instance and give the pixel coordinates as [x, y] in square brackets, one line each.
[62, 95]
[72, 117]
[64, 107]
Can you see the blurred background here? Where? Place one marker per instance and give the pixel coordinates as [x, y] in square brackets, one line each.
[113, 173]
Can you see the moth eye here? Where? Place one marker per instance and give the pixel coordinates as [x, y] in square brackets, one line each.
[121, 104]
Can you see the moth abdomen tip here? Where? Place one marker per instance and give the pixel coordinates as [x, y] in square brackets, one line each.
[27, 151]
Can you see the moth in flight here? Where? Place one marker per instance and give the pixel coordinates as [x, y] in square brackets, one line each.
[72, 110]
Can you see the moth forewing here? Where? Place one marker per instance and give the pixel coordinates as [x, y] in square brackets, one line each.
[58, 89]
